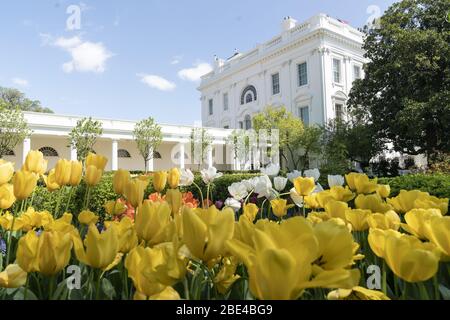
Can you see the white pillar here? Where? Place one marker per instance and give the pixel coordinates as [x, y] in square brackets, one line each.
[26, 148]
[73, 153]
[182, 152]
[114, 155]
[150, 162]
[210, 156]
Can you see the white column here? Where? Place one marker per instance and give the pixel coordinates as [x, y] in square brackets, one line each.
[114, 155]
[182, 152]
[73, 153]
[150, 162]
[26, 148]
[210, 156]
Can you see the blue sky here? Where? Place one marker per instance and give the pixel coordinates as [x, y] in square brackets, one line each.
[133, 59]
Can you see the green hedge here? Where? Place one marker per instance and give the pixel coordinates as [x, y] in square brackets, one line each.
[436, 184]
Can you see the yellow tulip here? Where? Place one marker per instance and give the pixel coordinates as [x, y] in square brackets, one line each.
[377, 240]
[6, 171]
[34, 162]
[93, 175]
[323, 197]
[87, 218]
[280, 207]
[13, 277]
[47, 253]
[225, 278]
[372, 202]
[50, 181]
[63, 172]
[410, 259]
[250, 211]
[358, 219]
[350, 178]
[24, 183]
[356, 293]
[384, 221]
[304, 186]
[318, 217]
[173, 178]
[32, 219]
[159, 180]
[10, 222]
[361, 183]
[97, 161]
[76, 169]
[115, 208]
[205, 231]
[384, 190]
[152, 221]
[134, 191]
[101, 248]
[336, 209]
[120, 180]
[311, 201]
[439, 233]
[340, 193]
[415, 199]
[128, 239]
[7, 197]
[175, 199]
[431, 202]
[417, 222]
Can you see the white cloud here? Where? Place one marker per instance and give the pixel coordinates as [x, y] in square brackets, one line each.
[176, 60]
[86, 56]
[20, 82]
[194, 74]
[157, 82]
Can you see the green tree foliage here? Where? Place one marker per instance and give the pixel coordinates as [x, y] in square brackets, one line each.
[148, 137]
[405, 94]
[200, 141]
[84, 135]
[14, 99]
[13, 129]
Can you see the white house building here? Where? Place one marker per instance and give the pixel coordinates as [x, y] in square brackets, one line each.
[50, 135]
[309, 68]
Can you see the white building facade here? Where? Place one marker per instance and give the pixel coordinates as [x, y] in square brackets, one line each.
[309, 68]
[50, 133]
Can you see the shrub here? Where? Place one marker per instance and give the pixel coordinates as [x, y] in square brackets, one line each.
[437, 184]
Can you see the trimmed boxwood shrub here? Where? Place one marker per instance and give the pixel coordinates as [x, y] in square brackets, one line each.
[436, 184]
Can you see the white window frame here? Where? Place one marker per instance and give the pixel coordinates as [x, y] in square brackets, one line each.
[360, 71]
[298, 74]
[210, 107]
[299, 110]
[340, 70]
[272, 83]
[226, 105]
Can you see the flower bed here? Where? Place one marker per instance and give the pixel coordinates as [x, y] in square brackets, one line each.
[166, 235]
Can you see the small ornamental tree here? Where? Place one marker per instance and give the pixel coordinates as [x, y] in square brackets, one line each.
[13, 129]
[84, 136]
[148, 136]
[200, 141]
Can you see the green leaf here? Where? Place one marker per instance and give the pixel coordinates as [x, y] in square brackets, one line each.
[108, 288]
[20, 294]
[445, 292]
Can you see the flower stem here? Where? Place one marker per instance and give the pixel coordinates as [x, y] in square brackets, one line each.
[97, 287]
[68, 200]
[201, 193]
[186, 288]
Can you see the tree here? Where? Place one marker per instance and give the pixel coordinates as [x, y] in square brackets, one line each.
[201, 140]
[84, 136]
[14, 99]
[405, 94]
[309, 143]
[147, 135]
[13, 129]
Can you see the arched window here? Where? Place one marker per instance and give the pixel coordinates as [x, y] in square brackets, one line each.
[249, 95]
[9, 153]
[122, 153]
[49, 152]
[248, 122]
[156, 155]
[177, 156]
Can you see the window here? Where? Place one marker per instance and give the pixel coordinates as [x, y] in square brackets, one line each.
[303, 113]
[275, 83]
[210, 106]
[339, 108]
[356, 72]
[122, 153]
[248, 122]
[337, 70]
[241, 125]
[156, 155]
[225, 101]
[226, 127]
[49, 152]
[302, 74]
[248, 95]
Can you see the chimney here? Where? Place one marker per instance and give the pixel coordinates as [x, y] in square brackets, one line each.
[288, 23]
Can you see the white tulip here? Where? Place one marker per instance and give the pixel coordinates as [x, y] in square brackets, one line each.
[264, 187]
[294, 174]
[336, 180]
[233, 204]
[271, 170]
[210, 174]
[238, 190]
[186, 177]
[280, 183]
[312, 173]
[298, 199]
